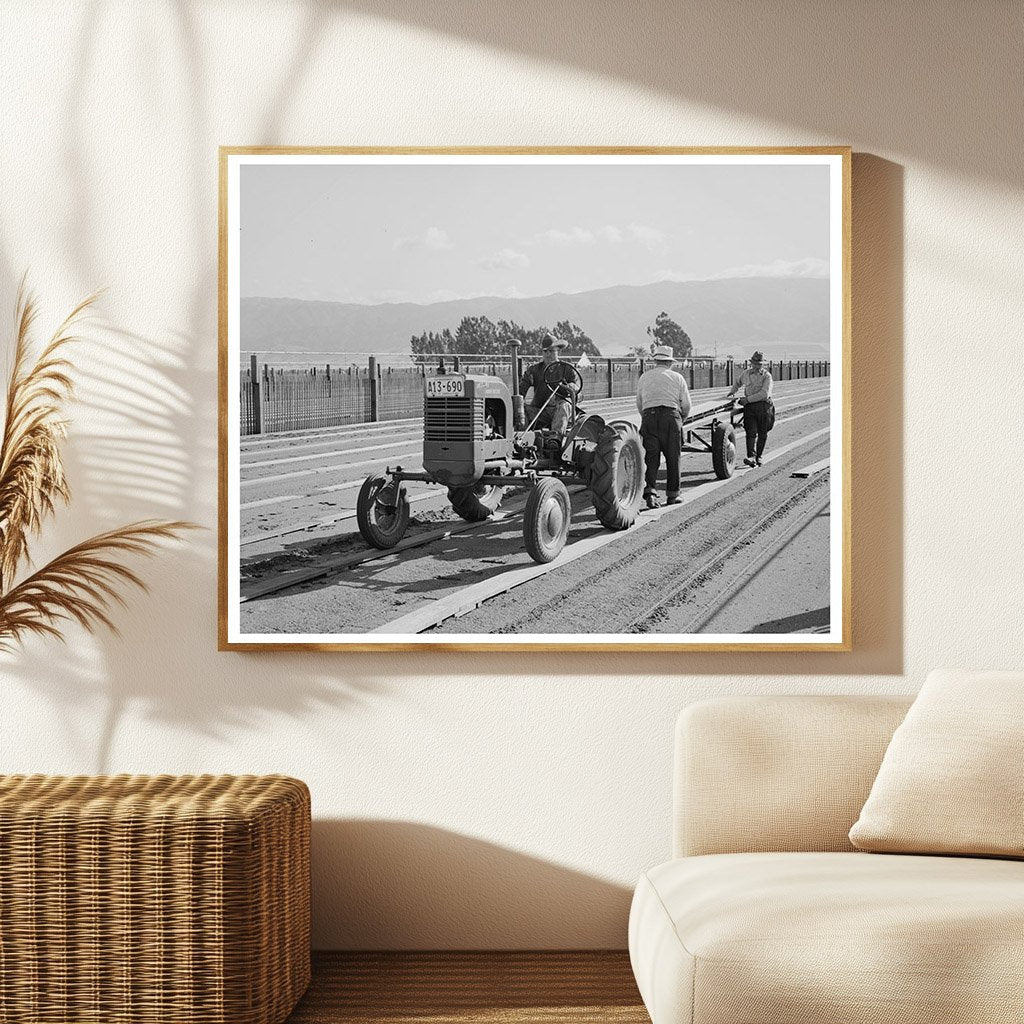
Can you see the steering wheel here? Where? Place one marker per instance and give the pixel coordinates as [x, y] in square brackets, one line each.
[558, 384]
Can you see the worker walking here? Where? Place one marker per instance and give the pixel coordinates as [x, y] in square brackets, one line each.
[663, 400]
[757, 392]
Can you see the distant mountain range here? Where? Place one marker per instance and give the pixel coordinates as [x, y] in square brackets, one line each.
[784, 316]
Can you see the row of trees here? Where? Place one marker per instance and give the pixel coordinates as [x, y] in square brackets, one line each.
[478, 335]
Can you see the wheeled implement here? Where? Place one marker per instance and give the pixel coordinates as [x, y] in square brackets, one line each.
[477, 443]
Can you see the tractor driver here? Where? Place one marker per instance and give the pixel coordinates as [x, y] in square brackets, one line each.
[558, 411]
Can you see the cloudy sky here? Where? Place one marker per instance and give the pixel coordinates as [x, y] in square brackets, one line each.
[427, 233]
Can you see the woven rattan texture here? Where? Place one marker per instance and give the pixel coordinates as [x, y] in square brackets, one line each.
[145, 899]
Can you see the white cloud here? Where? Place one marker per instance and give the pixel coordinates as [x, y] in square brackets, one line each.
[574, 236]
[653, 238]
[578, 236]
[432, 238]
[644, 234]
[810, 266]
[504, 259]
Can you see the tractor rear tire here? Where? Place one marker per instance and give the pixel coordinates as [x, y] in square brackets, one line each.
[381, 525]
[476, 502]
[723, 449]
[616, 478]
[546, 519]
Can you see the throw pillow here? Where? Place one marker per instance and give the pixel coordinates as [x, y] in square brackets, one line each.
[951, 780]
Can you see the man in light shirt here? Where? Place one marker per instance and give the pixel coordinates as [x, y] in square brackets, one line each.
[757, 391]
[663, 400]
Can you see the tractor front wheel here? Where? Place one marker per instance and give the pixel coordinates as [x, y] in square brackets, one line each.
[546, 520]
[616, 479]
[382, 511]
[476, 502]
[723, 449]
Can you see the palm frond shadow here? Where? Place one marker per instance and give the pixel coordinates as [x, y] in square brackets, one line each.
[146, 445]
[82, 583]
[126, 457]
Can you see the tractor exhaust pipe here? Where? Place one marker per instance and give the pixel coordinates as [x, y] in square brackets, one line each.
[518, 402]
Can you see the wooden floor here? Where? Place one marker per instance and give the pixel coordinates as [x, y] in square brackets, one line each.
[467, 988]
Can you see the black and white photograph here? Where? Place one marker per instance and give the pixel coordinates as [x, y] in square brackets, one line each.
[554, 398]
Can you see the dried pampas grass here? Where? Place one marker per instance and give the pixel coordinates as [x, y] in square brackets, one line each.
[82, 584]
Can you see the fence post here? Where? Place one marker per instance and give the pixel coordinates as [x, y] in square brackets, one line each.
[374, 390]
[711, 374]
[692, 366]
[611, 389]
[456, 363]
[254, 391]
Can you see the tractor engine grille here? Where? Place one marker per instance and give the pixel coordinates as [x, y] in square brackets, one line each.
[453, 419]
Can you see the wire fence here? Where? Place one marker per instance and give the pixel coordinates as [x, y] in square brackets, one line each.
[277, 398]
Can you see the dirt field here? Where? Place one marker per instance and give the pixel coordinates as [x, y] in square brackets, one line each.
[604, 591]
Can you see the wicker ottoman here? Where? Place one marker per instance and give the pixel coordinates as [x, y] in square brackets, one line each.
[131, 899]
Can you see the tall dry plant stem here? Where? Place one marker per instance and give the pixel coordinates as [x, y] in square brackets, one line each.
[82, 584]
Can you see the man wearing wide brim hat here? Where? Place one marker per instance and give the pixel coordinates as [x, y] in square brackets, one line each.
[757, 384]
[558, 411]
[663, 400]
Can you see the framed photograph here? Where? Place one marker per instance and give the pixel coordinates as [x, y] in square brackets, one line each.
[569, 399]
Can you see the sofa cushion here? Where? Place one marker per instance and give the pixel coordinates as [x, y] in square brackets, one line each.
[791, 938]
[950, 781]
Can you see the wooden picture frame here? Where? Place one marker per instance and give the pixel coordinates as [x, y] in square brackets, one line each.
[310, 580]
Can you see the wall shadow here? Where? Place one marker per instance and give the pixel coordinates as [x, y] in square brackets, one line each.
[905, 79]
[404, 885]
[152, 447]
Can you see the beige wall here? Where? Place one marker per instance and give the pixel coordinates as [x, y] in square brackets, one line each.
[479, 800]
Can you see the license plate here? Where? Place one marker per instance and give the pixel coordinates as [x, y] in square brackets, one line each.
[448, 386]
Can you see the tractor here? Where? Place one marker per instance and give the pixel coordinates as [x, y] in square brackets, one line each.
[477, 443]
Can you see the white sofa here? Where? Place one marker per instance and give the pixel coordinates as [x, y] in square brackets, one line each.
[768, 915]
